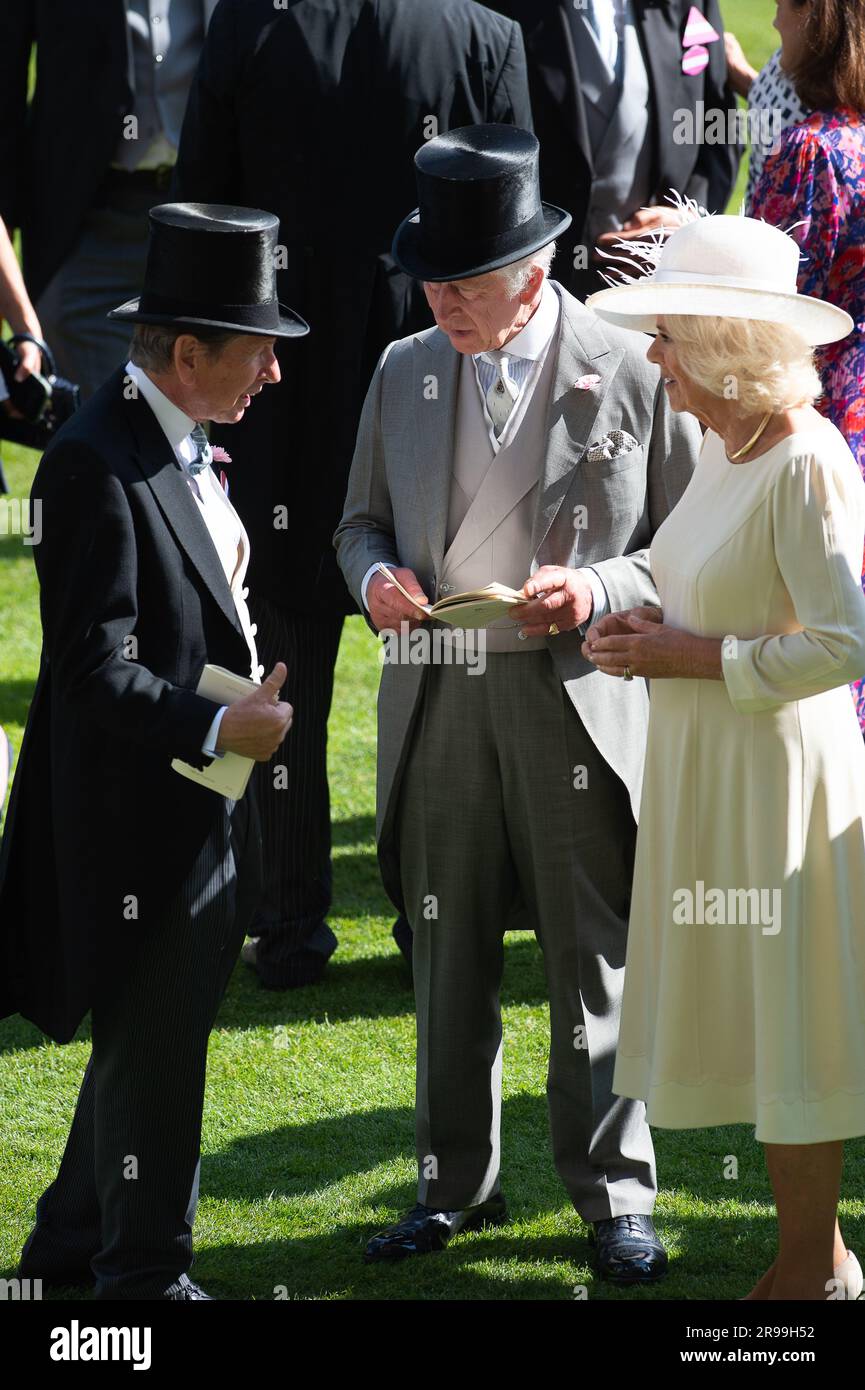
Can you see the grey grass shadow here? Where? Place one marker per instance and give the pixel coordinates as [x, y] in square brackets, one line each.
[332, 1266]
[373, 987]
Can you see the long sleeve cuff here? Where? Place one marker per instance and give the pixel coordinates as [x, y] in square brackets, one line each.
[209, 745]
[373, 569]
[600, 598]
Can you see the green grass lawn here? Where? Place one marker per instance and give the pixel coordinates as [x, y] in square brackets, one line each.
[308, 1140]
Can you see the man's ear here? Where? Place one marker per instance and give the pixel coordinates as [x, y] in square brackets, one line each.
[533, 288]
[187, 357]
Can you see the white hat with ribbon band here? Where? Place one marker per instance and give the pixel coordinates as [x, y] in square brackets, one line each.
[719, 267]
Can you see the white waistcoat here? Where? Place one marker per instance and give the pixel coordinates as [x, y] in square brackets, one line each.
[232, 546]
[493, 497]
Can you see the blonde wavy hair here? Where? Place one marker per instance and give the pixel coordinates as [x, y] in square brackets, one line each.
[759, 366]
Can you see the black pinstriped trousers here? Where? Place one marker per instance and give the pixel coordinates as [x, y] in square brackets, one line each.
[123, 1202]
[294, 800]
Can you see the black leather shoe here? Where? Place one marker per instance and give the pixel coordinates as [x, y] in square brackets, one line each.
[186, 1292]
[426, 1229]
[627, 1250]
[282, 970]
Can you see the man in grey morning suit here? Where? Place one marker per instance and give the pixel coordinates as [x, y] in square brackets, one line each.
[517, 789]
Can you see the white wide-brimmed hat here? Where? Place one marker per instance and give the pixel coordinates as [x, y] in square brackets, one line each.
[722, 267]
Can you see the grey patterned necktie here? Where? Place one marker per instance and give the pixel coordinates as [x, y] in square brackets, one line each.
[502, 394]
[203, 452]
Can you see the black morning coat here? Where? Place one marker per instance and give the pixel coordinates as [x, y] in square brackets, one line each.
[314, 112]
[101, 831]
[706, 172]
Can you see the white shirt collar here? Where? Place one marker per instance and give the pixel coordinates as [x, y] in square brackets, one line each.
[176, 424]
[533, 339]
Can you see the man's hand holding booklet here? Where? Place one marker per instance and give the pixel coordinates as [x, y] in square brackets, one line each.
[474, 608]
[253, 726]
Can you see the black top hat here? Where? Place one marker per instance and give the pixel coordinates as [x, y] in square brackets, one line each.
[210, 265]
[480, 205]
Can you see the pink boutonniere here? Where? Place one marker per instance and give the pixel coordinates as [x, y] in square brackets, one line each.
[587, 383]
[221, 455]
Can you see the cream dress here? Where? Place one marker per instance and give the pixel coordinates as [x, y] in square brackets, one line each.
[743, 1005]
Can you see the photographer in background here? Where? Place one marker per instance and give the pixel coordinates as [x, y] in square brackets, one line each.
[92, 152]
[34, 400]
[17, 310]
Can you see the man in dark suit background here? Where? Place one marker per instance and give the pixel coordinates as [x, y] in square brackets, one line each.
[315, 109]
[609, 84]
[81, 167]
[126, 888]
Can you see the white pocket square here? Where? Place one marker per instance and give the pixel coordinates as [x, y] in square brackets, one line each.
[616, 443]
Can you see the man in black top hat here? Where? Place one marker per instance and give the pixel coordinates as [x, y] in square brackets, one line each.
[125, 888]
[524, 442]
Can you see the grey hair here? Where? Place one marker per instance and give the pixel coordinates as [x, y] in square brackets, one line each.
[517, 275]
[152, 346]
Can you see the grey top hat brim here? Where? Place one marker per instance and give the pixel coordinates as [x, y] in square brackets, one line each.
[291, 325]
[407, 254]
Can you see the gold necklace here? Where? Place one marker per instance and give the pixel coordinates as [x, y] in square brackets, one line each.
[752, 441]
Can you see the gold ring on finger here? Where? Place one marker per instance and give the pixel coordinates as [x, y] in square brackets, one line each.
[628, 674]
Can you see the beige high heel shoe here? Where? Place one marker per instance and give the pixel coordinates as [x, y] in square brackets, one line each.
[850, 1273]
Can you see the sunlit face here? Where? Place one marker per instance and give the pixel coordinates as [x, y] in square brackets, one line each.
[682, 392]
[481, 313]
[222, 386]
[789, 21]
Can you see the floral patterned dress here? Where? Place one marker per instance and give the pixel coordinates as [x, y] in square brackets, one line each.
[816, 177]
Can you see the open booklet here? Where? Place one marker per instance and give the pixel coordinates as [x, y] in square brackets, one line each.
[474, 608]
[228, 775]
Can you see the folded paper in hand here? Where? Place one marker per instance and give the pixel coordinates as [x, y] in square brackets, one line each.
[228, 775]
[474, 608]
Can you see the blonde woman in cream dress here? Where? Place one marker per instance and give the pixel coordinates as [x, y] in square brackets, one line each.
[744, 994]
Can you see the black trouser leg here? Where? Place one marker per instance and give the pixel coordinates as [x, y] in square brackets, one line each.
[293, 798]
[124, 1198]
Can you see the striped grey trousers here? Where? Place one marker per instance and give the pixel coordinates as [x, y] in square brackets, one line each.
[122, 1206]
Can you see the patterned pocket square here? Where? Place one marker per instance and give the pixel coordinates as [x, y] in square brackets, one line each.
[616, 443]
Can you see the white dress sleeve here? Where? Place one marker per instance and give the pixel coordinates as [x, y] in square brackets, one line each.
[818, 521]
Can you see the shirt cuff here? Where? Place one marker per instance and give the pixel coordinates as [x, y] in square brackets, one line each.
[209, 745]
[373, 569]
[600, 598]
